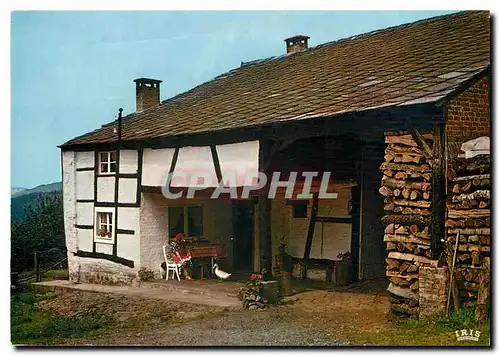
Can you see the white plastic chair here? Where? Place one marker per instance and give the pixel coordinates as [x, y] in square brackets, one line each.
[171, 266]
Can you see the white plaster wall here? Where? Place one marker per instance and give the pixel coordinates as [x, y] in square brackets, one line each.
[104, 248]
[240, 159]
[85, 214]
[85, 185]
[154, 230]
[128, 219]
[69, 199]
[128, 161]
[193, 161]
[105, 189]
[156, 165]
[129, 247]
[85, 159]
[85, 239]
[127, 190]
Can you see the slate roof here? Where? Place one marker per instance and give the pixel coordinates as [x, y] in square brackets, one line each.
[420, 62]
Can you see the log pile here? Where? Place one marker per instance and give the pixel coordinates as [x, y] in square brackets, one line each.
[469, 219]
[407, 188]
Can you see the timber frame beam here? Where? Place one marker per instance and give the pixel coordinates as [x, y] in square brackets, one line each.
[420, 140]
[438, 210]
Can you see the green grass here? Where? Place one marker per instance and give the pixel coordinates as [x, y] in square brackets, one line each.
[439, 331]
[52, 274]
[55, 273]
[32, 325]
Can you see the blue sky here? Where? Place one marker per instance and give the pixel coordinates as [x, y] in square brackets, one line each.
[71, 71]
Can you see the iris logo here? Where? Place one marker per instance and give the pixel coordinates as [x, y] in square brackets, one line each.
[471, 335]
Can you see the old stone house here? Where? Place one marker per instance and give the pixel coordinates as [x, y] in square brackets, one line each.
[320, 109]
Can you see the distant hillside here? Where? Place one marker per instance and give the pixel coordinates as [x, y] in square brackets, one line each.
[15, 190]
[28, 198]
[44, 188]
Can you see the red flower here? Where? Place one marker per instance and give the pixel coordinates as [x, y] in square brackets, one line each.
[253, 276]
[278, 263]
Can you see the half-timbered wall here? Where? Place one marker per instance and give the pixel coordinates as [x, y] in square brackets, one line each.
[86, 192]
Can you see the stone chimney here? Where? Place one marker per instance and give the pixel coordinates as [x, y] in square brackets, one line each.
[296, 44]
[147, 93]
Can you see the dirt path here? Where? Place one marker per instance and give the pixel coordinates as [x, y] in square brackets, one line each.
[316, 318]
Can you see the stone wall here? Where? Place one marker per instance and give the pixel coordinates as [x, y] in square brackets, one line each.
[433, 290]
[93, 270]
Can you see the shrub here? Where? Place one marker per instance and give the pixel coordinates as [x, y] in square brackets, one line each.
[146, 274]
[251, 294]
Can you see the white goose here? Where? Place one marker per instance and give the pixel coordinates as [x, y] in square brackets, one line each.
[220, 273]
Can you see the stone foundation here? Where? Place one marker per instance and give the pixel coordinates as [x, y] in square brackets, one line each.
[97, 271]
[433, 290]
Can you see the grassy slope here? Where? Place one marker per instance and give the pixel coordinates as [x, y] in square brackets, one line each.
[436, 332]
[33, 326]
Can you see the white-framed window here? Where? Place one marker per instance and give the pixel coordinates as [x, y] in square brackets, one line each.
[107, 162]
[104, 225]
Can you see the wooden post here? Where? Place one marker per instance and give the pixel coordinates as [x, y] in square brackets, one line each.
[312, 223]
[437, 227]
[37, 271]
[484, 292]
[264, 209]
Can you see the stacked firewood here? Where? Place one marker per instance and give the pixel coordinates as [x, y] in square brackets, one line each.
[406, 186]
[469, 219]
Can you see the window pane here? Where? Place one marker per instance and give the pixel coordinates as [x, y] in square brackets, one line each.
[113, 156]
[105, 225]
[299, 210]
[103, 157]
[112, 167]
[175, 220]
[195, 220]
[104, 168]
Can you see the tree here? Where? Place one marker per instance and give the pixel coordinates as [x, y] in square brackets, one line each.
[42, 229]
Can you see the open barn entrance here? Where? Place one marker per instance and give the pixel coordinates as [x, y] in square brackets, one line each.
[320, 233]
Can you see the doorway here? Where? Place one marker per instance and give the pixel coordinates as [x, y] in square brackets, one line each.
[243, 237]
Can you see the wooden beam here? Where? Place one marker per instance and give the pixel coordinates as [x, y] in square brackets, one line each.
[264, 210]
[419, 139]
[104, 256]
[367, 122]
[438, 207]
[312, 223]
[215, 158]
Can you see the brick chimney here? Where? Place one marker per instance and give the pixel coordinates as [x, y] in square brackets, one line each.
[296, 44]
[147, 93]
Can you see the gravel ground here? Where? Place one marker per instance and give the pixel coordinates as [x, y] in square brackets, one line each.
[313, 318]
[271, 327]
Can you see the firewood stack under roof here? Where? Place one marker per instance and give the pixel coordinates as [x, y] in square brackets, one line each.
[469, 219]
[406, 186]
